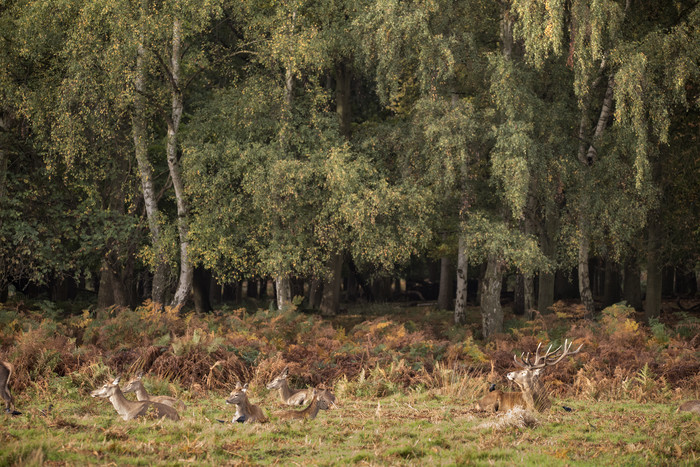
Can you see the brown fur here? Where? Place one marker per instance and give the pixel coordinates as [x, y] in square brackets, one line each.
[690, 406]
[288, 395]
[499, 401]
[252, 413]
[532, 395]
[319, 401]
[6, 370]
[136, 385]
[129, 409]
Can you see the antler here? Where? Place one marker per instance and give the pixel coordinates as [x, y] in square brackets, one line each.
[549, 358]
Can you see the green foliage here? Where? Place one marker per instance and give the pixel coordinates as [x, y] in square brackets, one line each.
[486, 236]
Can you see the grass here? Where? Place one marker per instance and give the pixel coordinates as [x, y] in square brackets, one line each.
[418, 427]
[406, 381]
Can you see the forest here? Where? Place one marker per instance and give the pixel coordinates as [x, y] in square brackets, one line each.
[174, 151]
[387, 198]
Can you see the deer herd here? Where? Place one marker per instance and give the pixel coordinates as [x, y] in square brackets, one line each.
[532, 395]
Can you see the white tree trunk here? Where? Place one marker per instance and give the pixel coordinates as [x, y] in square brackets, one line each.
[462, 269]
[146, 171]
[284, 292]
[184, 287]
[587, 158]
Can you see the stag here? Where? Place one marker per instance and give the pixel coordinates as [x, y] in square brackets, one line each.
[533, 396]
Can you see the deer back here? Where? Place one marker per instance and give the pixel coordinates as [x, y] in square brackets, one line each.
[6, 369]
[318, 402]
[169, 401]
[148, 409]
[690, 406]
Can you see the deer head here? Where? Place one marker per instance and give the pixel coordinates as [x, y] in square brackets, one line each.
[238, 395]
[279, 380]
[107, 390]
[528, 378]
[133, 384]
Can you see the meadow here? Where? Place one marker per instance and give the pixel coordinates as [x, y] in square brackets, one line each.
[406, 382]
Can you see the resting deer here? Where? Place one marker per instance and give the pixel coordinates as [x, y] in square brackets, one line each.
[533, 395]
[690, 406]
[6, 370]
[320, 400]
[289, 396]
[130, 409]
[136, 385]
[245, 411]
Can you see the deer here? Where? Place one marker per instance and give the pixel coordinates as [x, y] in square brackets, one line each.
[532, 396]
[690, 406]
[136, 385]
[6, 370]
[245, 411]
[130, 410]
[320, 400]
[289, 396]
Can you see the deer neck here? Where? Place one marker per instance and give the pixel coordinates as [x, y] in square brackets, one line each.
[285, 391]
[312, 410]
[535, 396]
[244, 409]
[122, 405]
[141, 393]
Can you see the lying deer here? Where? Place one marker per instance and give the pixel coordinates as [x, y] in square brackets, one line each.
[289, 396]
[136, 385]
[245, 411]
[690, 406]
[6, 370]
[533, 395]
[130, 409]
[320, 400]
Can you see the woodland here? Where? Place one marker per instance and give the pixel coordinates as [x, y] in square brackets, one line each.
[451, 151]
[390, 198]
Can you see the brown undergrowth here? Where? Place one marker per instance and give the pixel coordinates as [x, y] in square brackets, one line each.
[621, 358]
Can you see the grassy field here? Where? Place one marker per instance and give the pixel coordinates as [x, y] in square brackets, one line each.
[406, 381]
[424, 427]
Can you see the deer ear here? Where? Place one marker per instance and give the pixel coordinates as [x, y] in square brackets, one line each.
[245, 387]
[238, 385]
[116, 380]
[537, 372]
[285, 372]
[140, 375]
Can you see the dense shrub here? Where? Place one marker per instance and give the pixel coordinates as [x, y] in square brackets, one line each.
[376, 357]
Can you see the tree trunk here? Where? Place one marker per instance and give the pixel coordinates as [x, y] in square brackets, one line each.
[158, 288]
[632, 284]
[491, 311]
[584, 284]
[587, 155]
[283, 287]
[446, 291]
[524, 295]
[184, 286]
[545, 297]
[611, 288]
[519, 295]
[315, 293]
[652, 306]
[214, 291]
[111, 291]
[200, 290]
[460, 315]
[330, 303]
